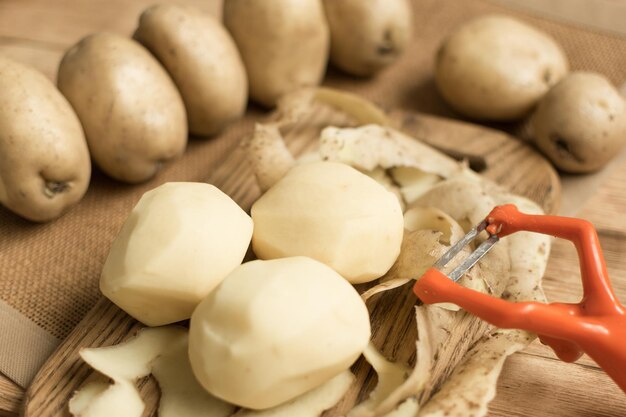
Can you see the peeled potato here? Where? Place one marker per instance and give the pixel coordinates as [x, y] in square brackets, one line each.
[176, 246]
[203, 61]
[332, 213]
[276, 329]
[132, 113]
[44, 161]
[497, 68]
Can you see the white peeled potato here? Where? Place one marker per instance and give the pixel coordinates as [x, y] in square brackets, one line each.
[176, 246]
[367, 36]
[497, 67]
[284, 44]
[581, 123]
[332, 213]
[44, 161]
[133, 116]
[276, 329]
[202, 59]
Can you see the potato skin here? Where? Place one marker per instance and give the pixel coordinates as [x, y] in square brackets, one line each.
[367, 36]
[284, 44]
[133, 116]
[202, 59]
[44, 160]
[581, 123]
[497, 68]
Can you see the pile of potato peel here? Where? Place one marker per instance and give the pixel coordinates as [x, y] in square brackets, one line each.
[457, 357]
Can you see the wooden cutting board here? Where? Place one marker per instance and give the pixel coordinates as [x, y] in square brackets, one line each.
[497, 155]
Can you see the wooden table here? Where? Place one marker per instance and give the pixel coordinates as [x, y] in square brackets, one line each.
[37, 32]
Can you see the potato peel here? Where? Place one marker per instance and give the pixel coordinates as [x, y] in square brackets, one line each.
[132, 359]
[432, 218]
[472, 385]
[181, 394]
[390, 376]
[370, 146]
[119, 399]
[82, 399]
[160, 350]
[407, 408]
[413, 182]
[393, 379]
[268, 155]
[310, 404]
[364, 111]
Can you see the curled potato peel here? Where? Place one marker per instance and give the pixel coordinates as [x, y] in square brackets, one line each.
[269, 155]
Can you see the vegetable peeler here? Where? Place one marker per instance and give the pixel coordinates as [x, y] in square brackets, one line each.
[596, 325]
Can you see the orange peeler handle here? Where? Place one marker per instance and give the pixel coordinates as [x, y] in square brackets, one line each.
[596, 325]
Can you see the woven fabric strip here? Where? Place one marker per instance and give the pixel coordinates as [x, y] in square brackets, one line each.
[24, 345]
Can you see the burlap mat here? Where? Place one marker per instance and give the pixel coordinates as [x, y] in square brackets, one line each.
[49, 272]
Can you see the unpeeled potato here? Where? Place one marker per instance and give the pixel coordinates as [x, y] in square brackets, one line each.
[581, 123]
[367, 36]
[496, 67]
[203, 61]
[284, 44]
[44, 161]
[133, 116]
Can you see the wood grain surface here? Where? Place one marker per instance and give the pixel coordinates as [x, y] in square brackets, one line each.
[493, 152]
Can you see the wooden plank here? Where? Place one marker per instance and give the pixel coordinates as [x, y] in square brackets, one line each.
[10, 398]
[571, 390]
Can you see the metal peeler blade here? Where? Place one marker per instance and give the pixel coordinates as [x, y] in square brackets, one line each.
[474, 257]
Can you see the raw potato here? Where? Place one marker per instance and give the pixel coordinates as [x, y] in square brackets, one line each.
[44, 161]
[133, 116]
[497, 68]
[284, 44]
[177, 245]
[367, 36]
[333, 213]
[581, 123]
[275, 329]
[203, 61]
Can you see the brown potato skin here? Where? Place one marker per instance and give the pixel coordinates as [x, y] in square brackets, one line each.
[367, 36]
[202, 59]
[133, 116]
[497, 68]
[44, 160]
[581, 123]
[284, 44]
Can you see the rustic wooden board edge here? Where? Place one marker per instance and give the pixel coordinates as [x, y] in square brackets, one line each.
[106, 324]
